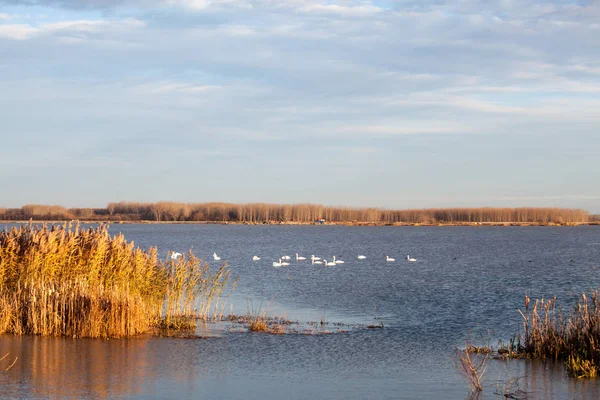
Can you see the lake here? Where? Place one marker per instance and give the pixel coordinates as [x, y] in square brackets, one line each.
[467, 282]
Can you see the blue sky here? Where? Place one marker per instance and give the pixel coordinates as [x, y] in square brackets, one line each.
[395, 104]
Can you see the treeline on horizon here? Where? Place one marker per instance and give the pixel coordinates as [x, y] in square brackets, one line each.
[293, 213]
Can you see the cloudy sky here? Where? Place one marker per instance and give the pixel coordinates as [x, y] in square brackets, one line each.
[388, 103]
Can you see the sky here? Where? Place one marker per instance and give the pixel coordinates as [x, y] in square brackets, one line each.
[376, 103]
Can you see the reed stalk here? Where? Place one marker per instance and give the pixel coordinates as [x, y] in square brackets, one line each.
[69, 281]
[573, 339]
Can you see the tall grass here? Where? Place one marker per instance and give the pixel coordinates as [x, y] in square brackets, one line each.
[572, 338]
[70, 281]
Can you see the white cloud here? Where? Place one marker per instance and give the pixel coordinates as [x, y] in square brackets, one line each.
[205, 4]
[25, 31]
[176, 87]
[347, 11]
[4, 17]
[17, 31]
[92, 26]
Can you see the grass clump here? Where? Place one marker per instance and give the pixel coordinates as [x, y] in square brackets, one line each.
[258, 325]
[69, 281]
[573, 339]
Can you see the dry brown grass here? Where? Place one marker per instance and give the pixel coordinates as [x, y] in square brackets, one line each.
[257, 325]
[67, 281]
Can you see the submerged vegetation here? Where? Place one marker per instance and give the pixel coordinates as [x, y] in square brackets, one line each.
[294, 213]
[67, 281]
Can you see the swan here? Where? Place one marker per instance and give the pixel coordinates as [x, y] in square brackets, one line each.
[388, 258]
[255, 258]
[174, 255]
[315, 258]
[361, 257]
[329, 264]
[216, 257]
[285, 264]
[316, 262]
[285, 257]
[410, 259]
[337, 261]
[277, 264]
[299, 258]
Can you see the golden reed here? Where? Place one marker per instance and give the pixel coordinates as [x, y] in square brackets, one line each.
[70, 281]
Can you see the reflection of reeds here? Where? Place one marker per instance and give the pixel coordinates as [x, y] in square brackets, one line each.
[573, 338]
[67, 281]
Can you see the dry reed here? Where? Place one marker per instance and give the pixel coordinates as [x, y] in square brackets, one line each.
[67, 281]
[472, 366]
[573, 339]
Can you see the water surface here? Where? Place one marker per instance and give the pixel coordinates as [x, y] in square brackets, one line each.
[466, 282]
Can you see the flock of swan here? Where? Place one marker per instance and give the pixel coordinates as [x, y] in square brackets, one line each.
[283, 261]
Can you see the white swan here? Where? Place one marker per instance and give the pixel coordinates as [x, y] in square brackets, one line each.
[389, 259]
[285, 264]
[174, 255]
[299, 258]
[337, 261]
[216, 257]
[361, 257]
[277, 264]
[255, 258]
[316, 262]
[410, 259]
[329, 264]
[286, 257]
[315, 258]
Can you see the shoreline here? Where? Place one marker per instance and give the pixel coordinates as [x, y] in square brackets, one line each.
[345, 223]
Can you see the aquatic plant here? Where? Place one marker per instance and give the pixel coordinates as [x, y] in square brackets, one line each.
[11, 365]
[471, 365]
[69, 281]
[572, 338]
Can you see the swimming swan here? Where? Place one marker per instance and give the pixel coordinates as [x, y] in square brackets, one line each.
[361, 257]
[389, 259]
[299, 258]
[410, 259]
[329, 264]
[255, 258]
[174, 255]
[337, 261]
[216, 257]
[277, 264]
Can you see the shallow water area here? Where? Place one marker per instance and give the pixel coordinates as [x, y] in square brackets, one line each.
[466, 282]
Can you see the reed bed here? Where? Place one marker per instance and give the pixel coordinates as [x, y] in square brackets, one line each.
[69, 281]
[572, 338]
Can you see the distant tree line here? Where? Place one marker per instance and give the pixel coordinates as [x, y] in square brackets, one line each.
[290, 213]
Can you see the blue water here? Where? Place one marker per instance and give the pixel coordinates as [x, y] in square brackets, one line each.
[467, 282]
